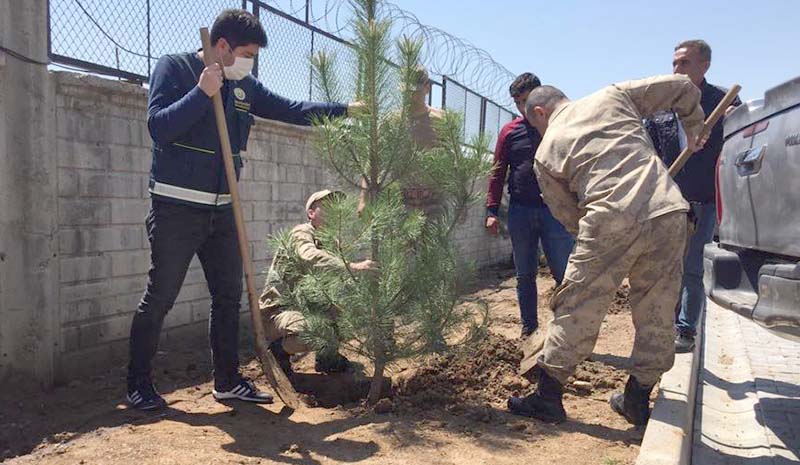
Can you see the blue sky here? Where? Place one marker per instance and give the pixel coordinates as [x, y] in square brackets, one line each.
[581, 46]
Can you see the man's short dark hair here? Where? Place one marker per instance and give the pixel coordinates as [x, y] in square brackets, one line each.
[523, 83]
[545, 97]
[239, 28]
[701, 46]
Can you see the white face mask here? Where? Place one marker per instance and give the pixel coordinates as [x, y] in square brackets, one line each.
[240, 68]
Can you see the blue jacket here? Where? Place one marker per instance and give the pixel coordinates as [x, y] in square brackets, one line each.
[187, 160]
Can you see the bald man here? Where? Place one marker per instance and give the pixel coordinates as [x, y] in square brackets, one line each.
[602, 179]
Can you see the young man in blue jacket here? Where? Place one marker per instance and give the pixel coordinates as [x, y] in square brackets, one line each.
[191, 204]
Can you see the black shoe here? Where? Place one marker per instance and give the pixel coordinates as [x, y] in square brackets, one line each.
[634, 404]
[244, 390]
[282, 357]
[684, 343]
[545, 404]
[527, 331]
[331, 363]
[142, 395]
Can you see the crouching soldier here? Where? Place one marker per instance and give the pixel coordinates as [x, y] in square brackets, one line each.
[284, 326]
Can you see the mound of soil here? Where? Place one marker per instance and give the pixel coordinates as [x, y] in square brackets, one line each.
[487, 374]
[621, 302]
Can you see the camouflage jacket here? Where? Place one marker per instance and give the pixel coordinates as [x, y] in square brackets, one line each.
[306, 246]
[596, 159]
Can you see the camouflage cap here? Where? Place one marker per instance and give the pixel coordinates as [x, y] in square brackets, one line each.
[319, 195]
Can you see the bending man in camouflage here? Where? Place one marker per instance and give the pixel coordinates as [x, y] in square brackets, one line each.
[284, 326]
[603, 180]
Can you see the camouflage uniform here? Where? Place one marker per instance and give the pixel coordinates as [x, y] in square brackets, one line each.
[286, 323]
[603, 180]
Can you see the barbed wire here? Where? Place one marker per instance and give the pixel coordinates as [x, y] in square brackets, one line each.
[443, 53]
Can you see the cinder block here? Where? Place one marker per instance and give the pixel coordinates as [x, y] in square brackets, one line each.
[129, 211]
[67, 183]
[258, 191]
[289, 192]
[260, 250]
[258, 230]
[201, 310]
[130, 159]
[258, 149]
[296, 174]
[100, 307]
[83, 212]
[267, 171]
[123, 131]
[181, 314]
[106, 239]
[130, 262]
[77, 154]
[104, 288]
[84, 268]
[247, 210]
[192, 292]
[147, 140]
[195, 275]
[111, 329]
[286, 154]
[70, 339]
[111, 185]
[262, 211]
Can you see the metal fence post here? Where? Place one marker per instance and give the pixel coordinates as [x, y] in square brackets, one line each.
[257, 14]
[311, 66]
[482, 124]
[149, 53]
[444, 92]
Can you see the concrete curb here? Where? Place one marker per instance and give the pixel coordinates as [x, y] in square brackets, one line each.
[668, 437]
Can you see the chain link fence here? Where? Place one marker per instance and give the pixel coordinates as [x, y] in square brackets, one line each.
[123, 39]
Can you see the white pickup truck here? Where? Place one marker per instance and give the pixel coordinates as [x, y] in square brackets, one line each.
[754, 268]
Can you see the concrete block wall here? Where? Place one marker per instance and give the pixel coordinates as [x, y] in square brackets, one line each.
[103, 153]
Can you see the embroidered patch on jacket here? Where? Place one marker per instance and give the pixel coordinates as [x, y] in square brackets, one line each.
[238, 92]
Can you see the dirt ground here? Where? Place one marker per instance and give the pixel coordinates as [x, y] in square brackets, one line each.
[445, 410]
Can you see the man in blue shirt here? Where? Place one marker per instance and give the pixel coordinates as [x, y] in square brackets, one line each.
[191, 204]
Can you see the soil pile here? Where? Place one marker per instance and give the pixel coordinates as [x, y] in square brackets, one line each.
[479, 374]
[487, 374]
[621, 302]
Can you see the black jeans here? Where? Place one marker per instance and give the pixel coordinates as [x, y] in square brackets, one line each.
[176, 233]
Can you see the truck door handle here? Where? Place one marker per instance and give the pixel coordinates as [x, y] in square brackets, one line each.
[749, 162]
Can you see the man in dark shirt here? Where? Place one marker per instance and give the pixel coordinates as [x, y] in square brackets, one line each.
[191, 210]
[696, 180]
[529, 219]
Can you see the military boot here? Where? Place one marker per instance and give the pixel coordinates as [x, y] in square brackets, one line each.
[282, 357]
[331, 362]
[544, 404]
[634, 404]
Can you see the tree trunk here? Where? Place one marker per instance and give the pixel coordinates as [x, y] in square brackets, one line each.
[376, 386]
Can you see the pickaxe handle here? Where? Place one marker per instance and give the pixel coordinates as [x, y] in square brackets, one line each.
[707, 126]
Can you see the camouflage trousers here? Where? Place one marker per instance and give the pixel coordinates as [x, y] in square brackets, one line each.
[650, 254]
[286, 325]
